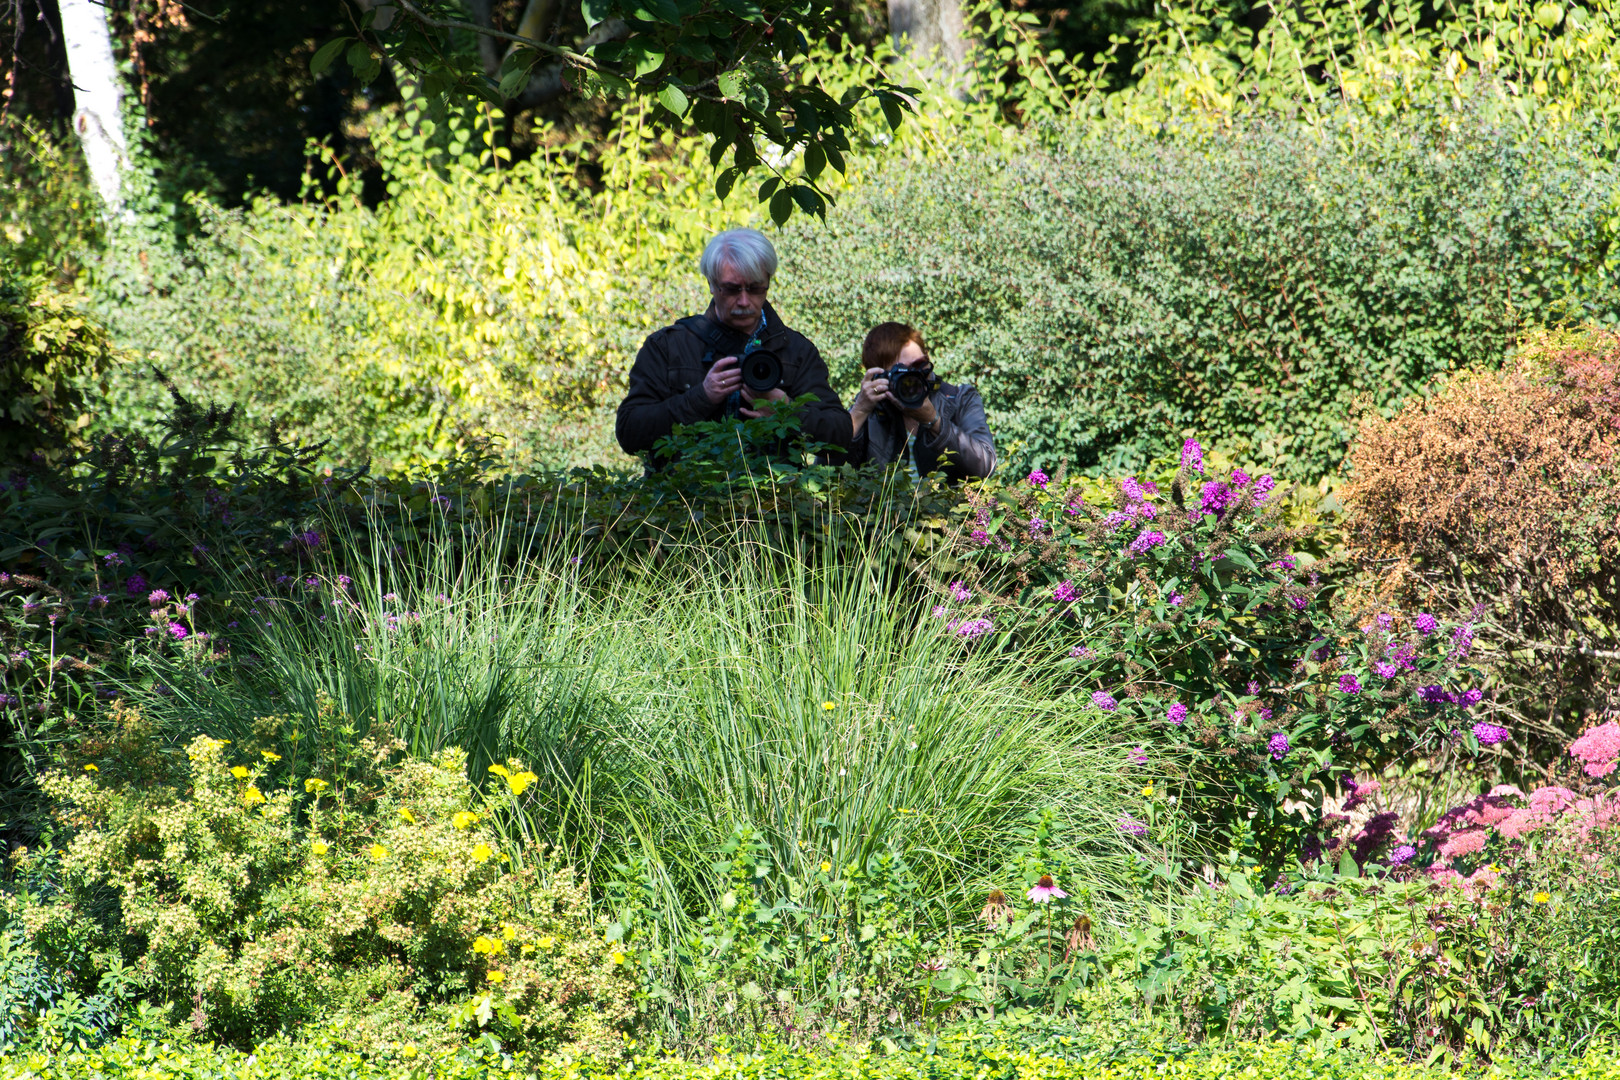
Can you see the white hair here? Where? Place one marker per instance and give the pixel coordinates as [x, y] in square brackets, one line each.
[747, 251]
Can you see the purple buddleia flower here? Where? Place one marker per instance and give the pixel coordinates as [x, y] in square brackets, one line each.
[1064, 593]
[1176, 714]
[1103, 701]
[1278, 745]
[1192, 456]
[1425, 624]
[1490, 734]
[1349, 684]
[1038, 478]
[1148, 538]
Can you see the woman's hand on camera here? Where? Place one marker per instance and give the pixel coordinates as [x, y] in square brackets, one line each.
[723, 377]
[924, 414]
[874, 391]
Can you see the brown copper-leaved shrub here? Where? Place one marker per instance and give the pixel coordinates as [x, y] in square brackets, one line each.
[1501, 493]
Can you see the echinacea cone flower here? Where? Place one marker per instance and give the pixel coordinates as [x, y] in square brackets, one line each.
[1079, 938]
[1045, 891]
[997, 912]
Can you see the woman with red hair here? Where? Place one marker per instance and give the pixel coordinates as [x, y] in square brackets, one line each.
[945, 431]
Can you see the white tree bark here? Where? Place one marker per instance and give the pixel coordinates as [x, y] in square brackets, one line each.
[97, 116]
[931, 33]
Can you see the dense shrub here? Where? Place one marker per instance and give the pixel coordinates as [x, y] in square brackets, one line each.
[247, 906]
[51, 355]
[1192, 608]
[1500, 494]
[50, 218]
[1115, 294]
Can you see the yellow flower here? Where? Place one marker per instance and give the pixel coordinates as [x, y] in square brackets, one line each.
[252, 796]
[826, 867]
[496, 976]
[481, 853]
[464, 819]
[508, 931]
[315, 787]
[547, 942]
[520, 782]
[377, 851]
[270, 755]
[239, 771]
[617, 957]
[319, 848]
[1542, 898]
[828, 706]
[408, 1051]
[91, 768]
[488, 946]
[1147, 792]
[499, 770]
[405, 812]
[825, 939]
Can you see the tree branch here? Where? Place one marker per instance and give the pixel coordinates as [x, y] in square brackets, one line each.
[567, 55]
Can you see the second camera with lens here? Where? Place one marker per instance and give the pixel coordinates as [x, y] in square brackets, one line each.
[910, 386]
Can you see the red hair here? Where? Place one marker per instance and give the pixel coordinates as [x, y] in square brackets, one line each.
[884, 342]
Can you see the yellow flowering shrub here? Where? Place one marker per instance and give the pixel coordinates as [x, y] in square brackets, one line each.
[252, 903]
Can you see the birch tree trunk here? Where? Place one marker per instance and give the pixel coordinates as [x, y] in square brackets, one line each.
[931, 34]
[97, 117]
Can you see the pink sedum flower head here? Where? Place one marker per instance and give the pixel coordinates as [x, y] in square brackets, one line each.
[1045, 891]
[1598, 750]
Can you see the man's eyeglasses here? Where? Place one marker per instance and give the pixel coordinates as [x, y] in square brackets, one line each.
[731, 290]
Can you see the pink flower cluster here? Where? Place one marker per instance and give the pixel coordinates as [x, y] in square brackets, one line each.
[1506, 811]
[1598, 750]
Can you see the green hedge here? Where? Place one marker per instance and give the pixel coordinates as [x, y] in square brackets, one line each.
[989, 1056]
[1113, 296]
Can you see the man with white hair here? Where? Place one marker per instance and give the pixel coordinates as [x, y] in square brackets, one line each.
[693, 370]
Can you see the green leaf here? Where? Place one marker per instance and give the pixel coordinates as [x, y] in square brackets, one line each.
[809, 200]
[815, 160]
[1239, 884]
[658, 11]
[731, 84]
[651, 60]
[326, 54]
[726, 181]
[673, 98]
[595, 11]
[768, 188]
[781, 207]
[891, 111]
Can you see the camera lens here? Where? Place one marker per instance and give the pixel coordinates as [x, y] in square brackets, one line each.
[762, 371]
[909, 388]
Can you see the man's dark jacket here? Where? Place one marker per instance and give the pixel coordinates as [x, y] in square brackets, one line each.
[666, 383]
[962, 450]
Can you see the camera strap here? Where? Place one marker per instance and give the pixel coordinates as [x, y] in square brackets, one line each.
[714, 336]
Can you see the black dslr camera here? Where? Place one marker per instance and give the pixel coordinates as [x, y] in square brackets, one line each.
[761, 373]
[761, 370]
[909, 386]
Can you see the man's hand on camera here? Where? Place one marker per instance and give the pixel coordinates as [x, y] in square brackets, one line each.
[724, 377]
[767, 402]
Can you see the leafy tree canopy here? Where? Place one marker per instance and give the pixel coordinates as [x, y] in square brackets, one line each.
[734, 69]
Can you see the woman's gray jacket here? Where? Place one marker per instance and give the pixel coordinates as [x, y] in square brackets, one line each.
[962, 450]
